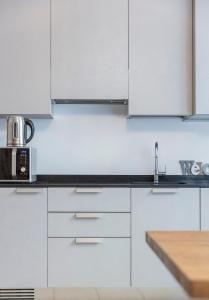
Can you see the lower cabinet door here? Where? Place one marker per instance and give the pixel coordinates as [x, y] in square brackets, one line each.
[89, 262]
[156, 210]
[205, 209]
[23, 238]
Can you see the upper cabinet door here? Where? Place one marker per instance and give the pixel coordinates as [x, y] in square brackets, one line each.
[25, 57]
[201, 57]
[160, 57]
[89, 49]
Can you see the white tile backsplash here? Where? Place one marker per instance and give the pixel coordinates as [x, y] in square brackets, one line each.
[99, 139]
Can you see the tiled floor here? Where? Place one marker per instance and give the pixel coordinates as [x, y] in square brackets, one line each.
[112, 294]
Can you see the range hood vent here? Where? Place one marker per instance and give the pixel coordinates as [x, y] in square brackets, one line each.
[81, 101]
[196, 117]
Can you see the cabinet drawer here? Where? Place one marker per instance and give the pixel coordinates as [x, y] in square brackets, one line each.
[89, 199]
[89, 224]
[89, 262]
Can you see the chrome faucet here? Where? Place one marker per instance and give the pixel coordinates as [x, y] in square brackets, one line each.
[157, 172]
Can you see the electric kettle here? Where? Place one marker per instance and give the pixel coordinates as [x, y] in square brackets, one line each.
[17, 131]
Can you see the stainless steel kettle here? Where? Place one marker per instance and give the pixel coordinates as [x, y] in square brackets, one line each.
[17, 133]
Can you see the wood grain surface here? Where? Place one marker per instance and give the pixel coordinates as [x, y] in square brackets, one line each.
[186, 255]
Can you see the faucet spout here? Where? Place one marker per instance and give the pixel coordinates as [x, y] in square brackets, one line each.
[157, 172]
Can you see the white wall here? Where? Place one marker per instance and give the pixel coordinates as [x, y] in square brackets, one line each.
[99, 139]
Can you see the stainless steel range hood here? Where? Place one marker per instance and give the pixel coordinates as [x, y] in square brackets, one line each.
[95, 101]
[197, 117]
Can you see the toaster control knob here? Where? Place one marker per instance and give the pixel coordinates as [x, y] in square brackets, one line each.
[23, 169]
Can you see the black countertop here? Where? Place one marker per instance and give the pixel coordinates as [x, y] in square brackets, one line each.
[137, 181]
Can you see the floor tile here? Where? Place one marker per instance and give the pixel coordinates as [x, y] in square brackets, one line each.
[75, 294]
[119, 294]
[111, 294]
[163, 294]
[44, 294]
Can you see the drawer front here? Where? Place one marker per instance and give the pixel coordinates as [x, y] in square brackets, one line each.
[89, 199]
[89, 224]
[93, 262]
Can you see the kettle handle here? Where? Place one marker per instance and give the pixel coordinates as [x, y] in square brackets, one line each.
[32, 129]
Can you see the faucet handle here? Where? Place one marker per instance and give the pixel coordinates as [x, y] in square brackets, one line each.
[163, 172]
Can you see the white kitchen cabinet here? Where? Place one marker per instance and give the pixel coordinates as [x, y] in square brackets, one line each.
[89, 199]
[160, 37]
[89, 262]
[159, 209]
[89, 54]
[25, 57]
[89, 237]
[23, 236]
[205, 209]
[201, 43]
[89, 224]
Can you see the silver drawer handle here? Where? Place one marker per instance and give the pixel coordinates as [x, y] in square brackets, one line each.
[164, 191]
[88, 241]
[28, 191]
[88, 216]
[89, 190]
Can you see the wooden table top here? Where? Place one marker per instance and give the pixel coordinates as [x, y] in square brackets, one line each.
[186, 255]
